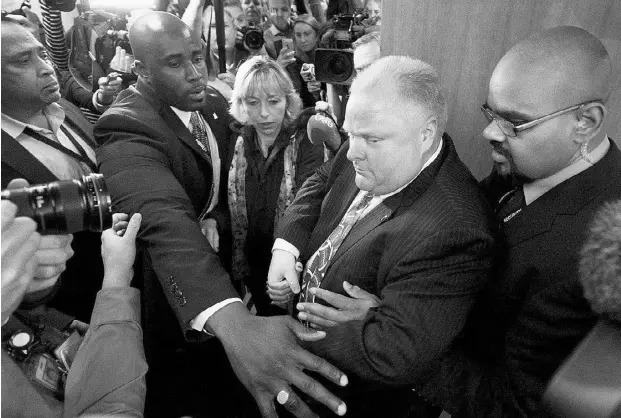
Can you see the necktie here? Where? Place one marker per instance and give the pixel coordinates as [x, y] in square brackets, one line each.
[318, 264]
[511, 204]
[200, 134]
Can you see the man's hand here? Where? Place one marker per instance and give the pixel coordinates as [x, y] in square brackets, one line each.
[344, 309]
[19, 244]
[118, 250]
[122, 61]
[108, 90]
[266, 357]
[283, 266]
[285, 57]
[209, 227]
[52, 256]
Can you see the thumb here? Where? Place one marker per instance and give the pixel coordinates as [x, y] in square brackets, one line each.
[306, 334]
[18, 184]
[293, 279]
[133, 227]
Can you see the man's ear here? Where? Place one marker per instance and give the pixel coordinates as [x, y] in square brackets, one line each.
[590, 121]
[141, 69]
[429, 132]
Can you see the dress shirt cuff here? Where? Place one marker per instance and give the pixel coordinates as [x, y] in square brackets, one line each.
[100, 107]
[199, 322]
[281, 244]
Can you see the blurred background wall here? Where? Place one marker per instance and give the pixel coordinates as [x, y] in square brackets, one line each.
[464, 39]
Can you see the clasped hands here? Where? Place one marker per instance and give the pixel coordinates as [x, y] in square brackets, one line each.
[283, 282]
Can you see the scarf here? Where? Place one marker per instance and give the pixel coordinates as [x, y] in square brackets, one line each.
[237, 197]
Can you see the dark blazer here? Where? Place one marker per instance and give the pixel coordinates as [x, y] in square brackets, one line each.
[424, 251]
[84, 274]
[534, 313]
[154, 166]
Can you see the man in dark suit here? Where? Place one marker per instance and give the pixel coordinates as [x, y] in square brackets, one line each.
[420, 240]
[554, 167]
[161, 141]
[44, 139]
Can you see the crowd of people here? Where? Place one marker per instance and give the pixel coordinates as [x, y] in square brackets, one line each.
[277, 273]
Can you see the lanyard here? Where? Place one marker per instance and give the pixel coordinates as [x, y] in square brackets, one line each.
[82, 156]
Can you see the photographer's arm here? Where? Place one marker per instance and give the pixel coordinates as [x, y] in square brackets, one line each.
[108, 375]
[193, 16]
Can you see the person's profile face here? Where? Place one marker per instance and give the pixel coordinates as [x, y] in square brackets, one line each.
[177, 71]
[280, 12]
[384, 146]
[533, 153]
[28, 78]
[365, 55]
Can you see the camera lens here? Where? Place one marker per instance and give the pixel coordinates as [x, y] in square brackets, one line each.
[66, 206]
[254, 39]
[340, 67]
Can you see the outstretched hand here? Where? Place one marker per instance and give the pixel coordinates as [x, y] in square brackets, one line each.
[267, 358]
[343, 309]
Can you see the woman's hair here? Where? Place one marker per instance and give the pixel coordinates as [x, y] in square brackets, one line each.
[264, 74]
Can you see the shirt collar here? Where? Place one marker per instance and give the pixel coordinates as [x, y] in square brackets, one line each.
[537, 188]
[54, 114]
[433, 157]
[183, 115]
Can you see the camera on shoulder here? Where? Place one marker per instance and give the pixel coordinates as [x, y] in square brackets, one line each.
[334, 62]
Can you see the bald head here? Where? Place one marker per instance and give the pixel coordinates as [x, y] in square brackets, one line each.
[561, 66]
[147, 31]
[405, 81]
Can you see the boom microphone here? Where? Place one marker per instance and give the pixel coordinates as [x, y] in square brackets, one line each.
[321, 128]
[600, 262]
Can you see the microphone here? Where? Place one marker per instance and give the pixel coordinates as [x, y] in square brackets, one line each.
[321, 128]
[600, 262]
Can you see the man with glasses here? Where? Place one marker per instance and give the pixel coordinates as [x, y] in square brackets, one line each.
[553, 168]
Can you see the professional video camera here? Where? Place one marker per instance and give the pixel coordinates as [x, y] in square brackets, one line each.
[334, 62]
[253, 37]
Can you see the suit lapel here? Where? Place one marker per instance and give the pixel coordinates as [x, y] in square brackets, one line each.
[171, 119]
[566, 198]
[22, 161]
[76, 120]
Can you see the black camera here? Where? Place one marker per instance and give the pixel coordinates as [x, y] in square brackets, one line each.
[334, 63]
[253, 37]
[66, 206]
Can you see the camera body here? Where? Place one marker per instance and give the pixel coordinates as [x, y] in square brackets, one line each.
[65, 206]
[334, 63]
[253, 37]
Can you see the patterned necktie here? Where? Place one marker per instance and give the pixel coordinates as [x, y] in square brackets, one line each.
[317, 265]
[200, 134]
[511, 204]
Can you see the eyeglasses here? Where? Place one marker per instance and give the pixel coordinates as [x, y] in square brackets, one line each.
[510, 129]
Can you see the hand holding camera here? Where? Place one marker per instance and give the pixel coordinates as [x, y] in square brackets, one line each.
[19, 245]
[286, 55]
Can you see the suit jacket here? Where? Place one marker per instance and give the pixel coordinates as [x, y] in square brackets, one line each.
[154, 166]
[424, 251]
[534, 313]
[84, 274]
